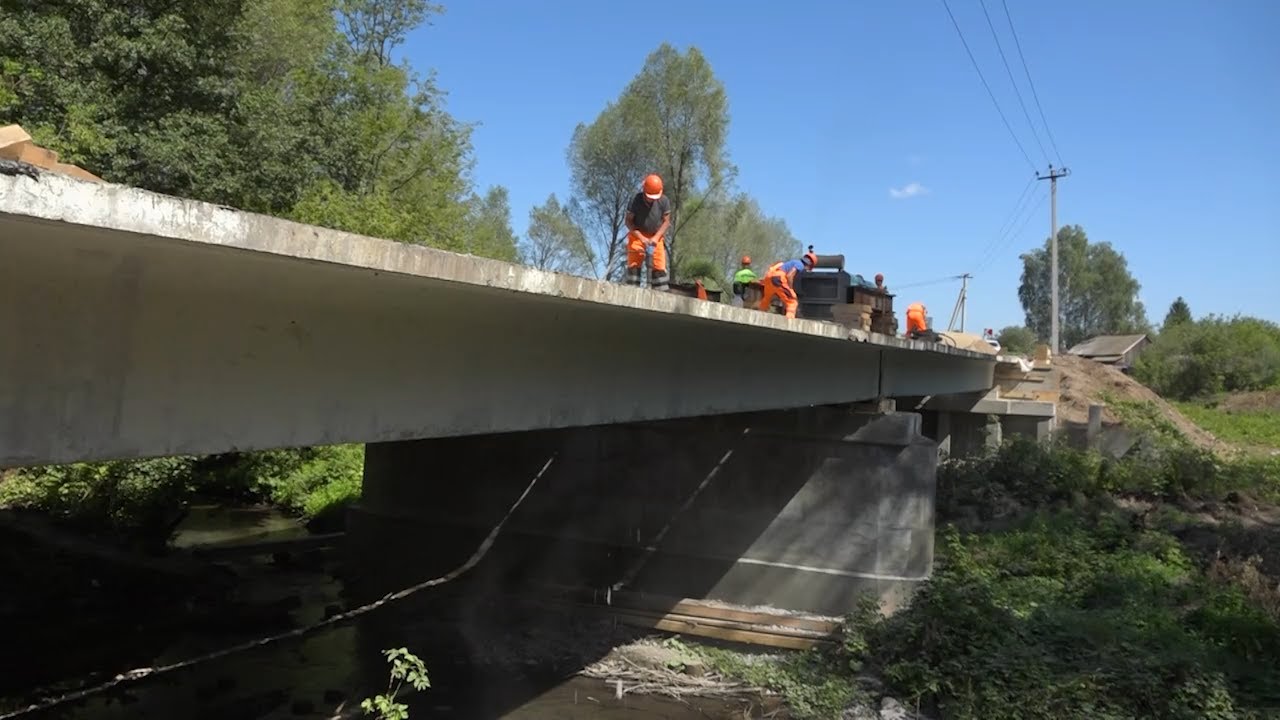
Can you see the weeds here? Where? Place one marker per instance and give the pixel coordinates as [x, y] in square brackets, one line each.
[1257, 428]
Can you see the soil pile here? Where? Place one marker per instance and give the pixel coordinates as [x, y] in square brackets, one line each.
[1084, 382]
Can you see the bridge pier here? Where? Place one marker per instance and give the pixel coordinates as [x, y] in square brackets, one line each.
[802, 509]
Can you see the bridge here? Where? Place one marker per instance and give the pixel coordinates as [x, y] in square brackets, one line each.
[693, 449]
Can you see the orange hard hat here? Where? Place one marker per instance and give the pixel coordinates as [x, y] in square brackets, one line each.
[810, 258]
[653, 187]
[746, 259]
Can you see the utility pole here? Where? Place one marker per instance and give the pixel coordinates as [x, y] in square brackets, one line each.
[1052, 177]
[960, 303]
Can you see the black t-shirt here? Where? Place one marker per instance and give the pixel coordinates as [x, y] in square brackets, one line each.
[648, 215]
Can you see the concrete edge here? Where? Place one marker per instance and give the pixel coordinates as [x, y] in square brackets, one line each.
[56, 198]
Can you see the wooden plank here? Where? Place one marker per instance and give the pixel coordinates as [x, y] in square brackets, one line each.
[694, 608]
[12, 138]
[75, 171]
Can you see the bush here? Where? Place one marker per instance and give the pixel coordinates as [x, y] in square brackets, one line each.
[1025, 474]
[1070, 608]
[143, 501]
[1072, 615]
[1211, 356]
[1017, 340]
[140, 499]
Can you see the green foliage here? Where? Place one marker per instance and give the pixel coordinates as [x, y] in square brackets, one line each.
[814, 684]
[405, 668]
[488, 226]
[318, 480]
[1079, 615]
[141, 499]
[1211, 356]
[721, 229]
[1256, 428]
[1017, 340]
[287, 107]
[1097, 293]
[678, 109]
[672, 119]
[1179, 314]
[1057, 604]
[1026, 474]
[556, 241]
[606, 164]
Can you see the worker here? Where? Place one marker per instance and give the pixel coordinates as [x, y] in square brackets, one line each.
[741, 279]
[880, 283]
[780, 281]
[648, 218]
[917, 326]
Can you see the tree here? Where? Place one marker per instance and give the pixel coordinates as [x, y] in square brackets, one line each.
[556, 241]
[1210, 356]
[1179, 314]
[1097, 293]
[264, 105]
[679, 111]
[489, 231]
[606, 165]
[726, 227]
[376, 27]
[1017, 340]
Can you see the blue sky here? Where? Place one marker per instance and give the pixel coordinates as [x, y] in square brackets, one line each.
[1166, 111]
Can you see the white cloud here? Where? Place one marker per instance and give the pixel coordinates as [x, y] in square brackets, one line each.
[910, 190]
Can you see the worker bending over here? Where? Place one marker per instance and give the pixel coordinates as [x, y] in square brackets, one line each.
[648, 218]
[917, 326]
[780, 281]
[741, 279]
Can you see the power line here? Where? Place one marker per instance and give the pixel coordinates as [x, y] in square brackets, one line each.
[1030, 82]
[1017, 93]
[937, 281]
[1013, 234]
[1017, 208]
[990, 94]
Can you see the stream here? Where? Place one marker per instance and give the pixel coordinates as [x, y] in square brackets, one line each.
[485, 658]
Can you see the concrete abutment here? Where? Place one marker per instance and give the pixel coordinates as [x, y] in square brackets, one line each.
[803, 509]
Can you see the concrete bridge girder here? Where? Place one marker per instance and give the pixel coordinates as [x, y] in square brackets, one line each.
[144, 325]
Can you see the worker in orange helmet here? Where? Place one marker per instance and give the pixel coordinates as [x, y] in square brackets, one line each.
[917, 325]
[780, 281]
[648, 218]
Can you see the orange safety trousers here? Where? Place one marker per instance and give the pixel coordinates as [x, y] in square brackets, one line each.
[636, 252]
[637, 249]
[777, 285]
[915, 318]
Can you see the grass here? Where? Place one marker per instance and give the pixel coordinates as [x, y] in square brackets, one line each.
[1054, 596]
[1256, 429]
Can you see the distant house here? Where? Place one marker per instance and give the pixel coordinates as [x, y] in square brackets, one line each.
[1118, 350]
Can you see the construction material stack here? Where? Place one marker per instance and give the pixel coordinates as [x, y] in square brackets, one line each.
[877, 307]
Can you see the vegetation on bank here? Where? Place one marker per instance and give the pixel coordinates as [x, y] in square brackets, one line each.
[1214, 355]
[1070, 586]
[1247, 428]
[142, 501]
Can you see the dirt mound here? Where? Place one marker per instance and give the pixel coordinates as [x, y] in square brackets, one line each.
[1258, 401]
[1083, 382]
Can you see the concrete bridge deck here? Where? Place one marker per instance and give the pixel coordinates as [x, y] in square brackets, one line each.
[137, 324]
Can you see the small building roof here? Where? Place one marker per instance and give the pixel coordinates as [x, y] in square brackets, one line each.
[1109, 346]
